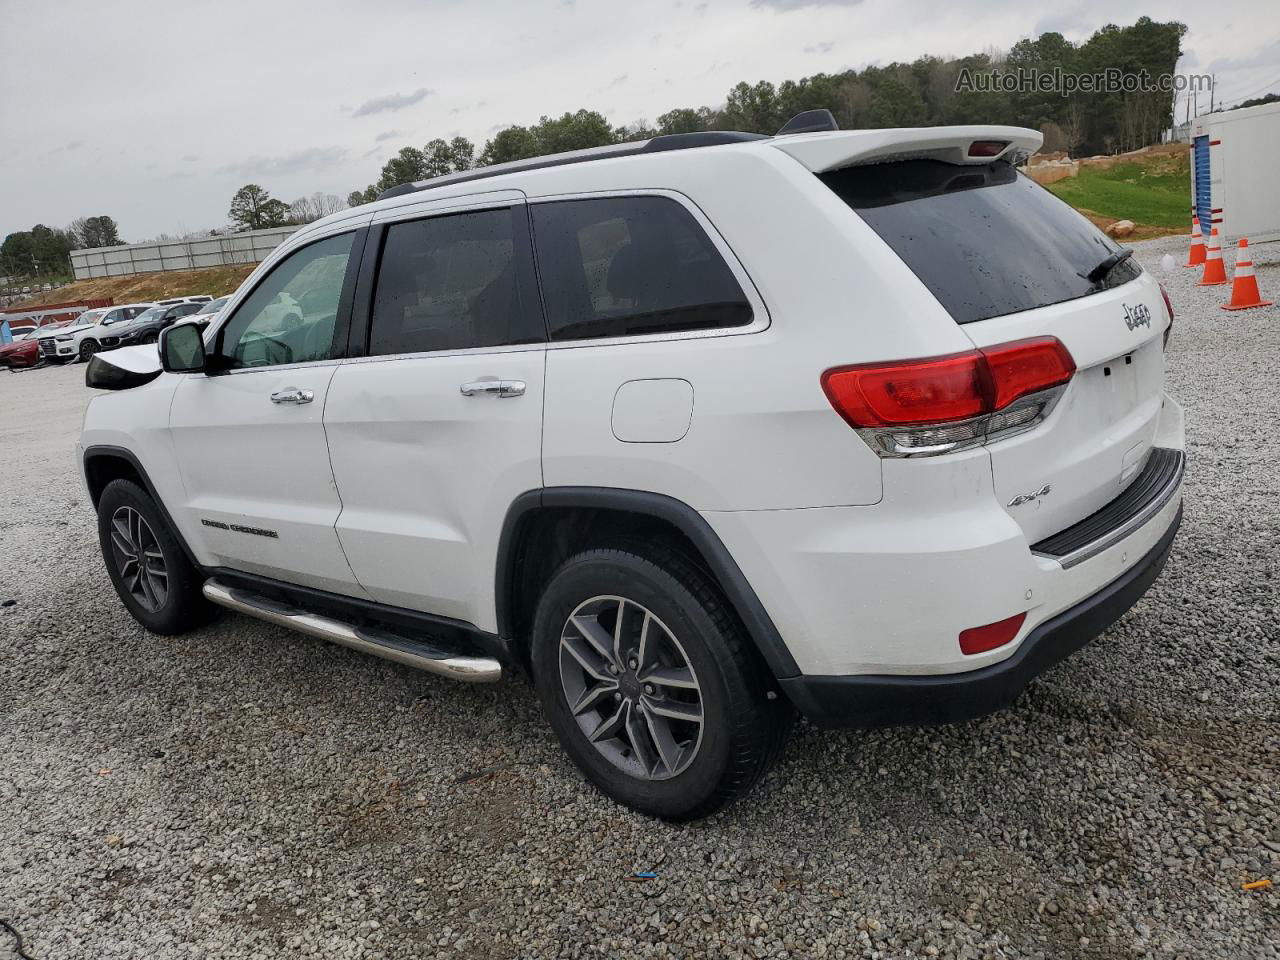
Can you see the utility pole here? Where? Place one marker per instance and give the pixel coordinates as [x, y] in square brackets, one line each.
[1213, 82]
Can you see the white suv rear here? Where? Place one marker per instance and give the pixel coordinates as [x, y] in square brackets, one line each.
[701, 431]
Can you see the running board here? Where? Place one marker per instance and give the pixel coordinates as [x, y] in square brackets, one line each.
[412, 653]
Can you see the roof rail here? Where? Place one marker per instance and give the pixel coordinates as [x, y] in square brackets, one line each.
[661, 144]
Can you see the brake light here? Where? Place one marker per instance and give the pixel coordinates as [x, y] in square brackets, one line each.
[993, 635]
[1025, 366]
[987, 148]
[1168, 305]
[940, 404]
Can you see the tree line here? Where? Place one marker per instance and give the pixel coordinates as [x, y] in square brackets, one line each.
[922, 93]
[45, 251]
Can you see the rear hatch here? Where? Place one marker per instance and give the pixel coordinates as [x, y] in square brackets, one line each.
[1009, 261]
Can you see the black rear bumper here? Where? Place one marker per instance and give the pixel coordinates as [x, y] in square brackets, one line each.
[883, 700]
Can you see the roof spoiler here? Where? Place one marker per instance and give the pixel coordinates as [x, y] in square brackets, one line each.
[973, 144]
[811, 121]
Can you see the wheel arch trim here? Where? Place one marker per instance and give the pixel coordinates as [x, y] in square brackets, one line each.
[684, 518]
[105, 451]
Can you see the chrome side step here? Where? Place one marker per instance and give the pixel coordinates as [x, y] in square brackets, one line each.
[412, 653]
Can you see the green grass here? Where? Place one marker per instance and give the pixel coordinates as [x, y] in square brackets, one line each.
[1156, 193]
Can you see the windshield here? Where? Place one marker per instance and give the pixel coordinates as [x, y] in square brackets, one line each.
[155, 313]
[213, 306]
[986, 240]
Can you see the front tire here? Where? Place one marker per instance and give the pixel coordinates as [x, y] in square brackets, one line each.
[152, 574]
[87, 349]
[652, 685]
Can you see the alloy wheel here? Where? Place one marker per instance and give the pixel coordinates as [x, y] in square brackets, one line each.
[631, 687]
[139, 559]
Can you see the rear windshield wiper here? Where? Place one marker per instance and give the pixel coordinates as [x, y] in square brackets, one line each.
[1106, 266]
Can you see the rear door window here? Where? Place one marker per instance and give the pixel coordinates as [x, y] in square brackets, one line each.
[986, 240]
[624, 266]
[455, 282]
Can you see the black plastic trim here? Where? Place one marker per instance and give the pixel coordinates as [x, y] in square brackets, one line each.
[885, 700]
[454, 634]
[102, 374]
[681, 516]
[107, 451]
[1157, 479]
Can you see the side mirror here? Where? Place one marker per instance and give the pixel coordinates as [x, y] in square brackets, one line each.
[182, 349]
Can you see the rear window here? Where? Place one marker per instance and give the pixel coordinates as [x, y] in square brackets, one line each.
[985, 240]
[628, 266]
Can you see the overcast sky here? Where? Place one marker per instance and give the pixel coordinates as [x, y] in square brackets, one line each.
[155, 113]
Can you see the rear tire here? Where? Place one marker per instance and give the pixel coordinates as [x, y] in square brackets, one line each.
[151, 572]
[633, 735]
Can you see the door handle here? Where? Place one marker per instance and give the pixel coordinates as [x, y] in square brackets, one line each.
[493, 388]
[292, 395]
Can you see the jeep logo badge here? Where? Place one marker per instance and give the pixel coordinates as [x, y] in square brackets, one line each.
[1139, 316]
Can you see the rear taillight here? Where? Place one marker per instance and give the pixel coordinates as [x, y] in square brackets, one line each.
[1168, 305]
[942, 404]
[981, 639]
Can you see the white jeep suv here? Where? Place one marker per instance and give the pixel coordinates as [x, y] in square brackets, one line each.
[701, 432]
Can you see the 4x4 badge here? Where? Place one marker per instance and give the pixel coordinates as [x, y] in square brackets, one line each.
[1139, 316]
[1028, 497]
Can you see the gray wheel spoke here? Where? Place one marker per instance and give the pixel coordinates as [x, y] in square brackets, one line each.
[638, 736]
[588, 658]
[679, 677]
[675, 709]
[663, 739]
[594, 697]
[596, 635]
[611, 725]
[646, 651]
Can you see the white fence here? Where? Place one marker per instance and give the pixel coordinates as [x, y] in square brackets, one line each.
[248, 247]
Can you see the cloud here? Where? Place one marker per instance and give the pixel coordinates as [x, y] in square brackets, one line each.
[392, 101]
[801, 4]
[313, 158]
[618, 81]
[386, 135]
[190, 158]
[826, 46]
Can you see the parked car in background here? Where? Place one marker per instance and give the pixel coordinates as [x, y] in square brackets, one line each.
[47, 335]
[23, 351]
[146, 326]
[83, 342]
[209, 312]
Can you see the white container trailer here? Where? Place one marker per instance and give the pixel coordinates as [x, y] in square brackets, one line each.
[1235, 156]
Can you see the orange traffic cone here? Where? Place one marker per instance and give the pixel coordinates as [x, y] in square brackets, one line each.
[1244, 286]
[1214, 272]
[1196, 255]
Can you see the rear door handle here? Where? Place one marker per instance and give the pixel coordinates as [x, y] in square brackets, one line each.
[292, 395]
[493, 388]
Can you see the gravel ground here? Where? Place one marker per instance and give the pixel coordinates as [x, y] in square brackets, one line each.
[247, 792]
